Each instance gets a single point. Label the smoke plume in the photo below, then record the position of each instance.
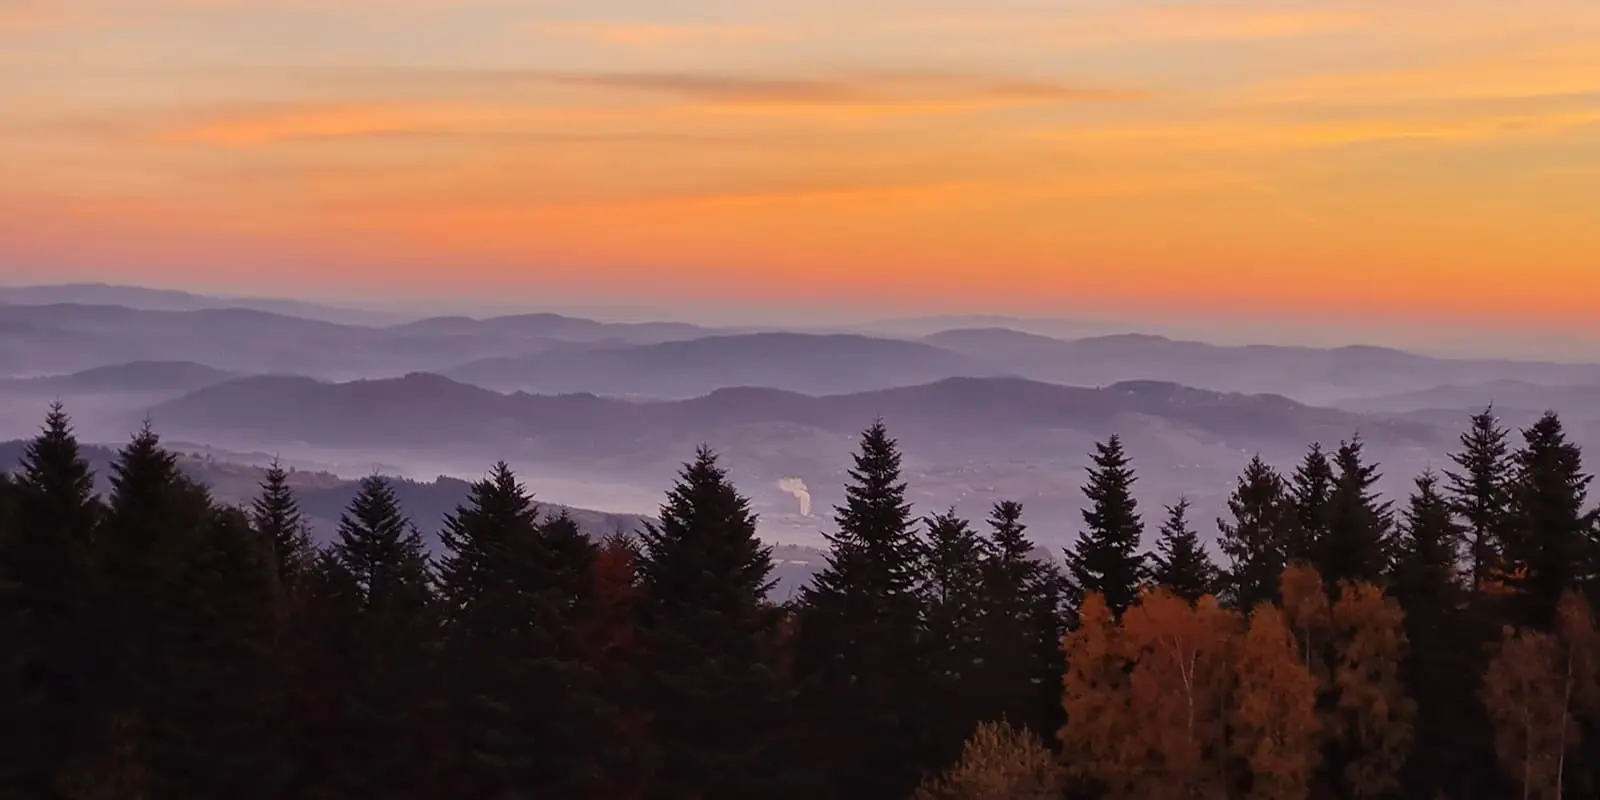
(797, 487)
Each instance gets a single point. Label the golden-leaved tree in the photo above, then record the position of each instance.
(1535, 687)
(1098, 740)
(1276, 732)
(1179, 692)
(1374, 716)
(999, 761)
(1310, 620)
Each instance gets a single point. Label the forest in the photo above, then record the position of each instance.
(1335, 644)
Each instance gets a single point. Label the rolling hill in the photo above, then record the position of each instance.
(810, 363)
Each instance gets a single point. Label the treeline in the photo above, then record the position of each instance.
(159, 645)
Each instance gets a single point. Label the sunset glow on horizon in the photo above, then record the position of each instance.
(1429, 160)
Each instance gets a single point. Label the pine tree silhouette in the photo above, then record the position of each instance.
(1180, 562)
(1106, 558)
(1256, 540)
(709, 639)
(858, 651)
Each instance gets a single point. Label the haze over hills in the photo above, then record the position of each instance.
(555, 353)
(816, 363)
(600, 414)
(968, 441)
(137, 297)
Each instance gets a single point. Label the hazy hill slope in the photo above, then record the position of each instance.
(137, 297)
(1575, 400)
(556, 326)
(811, 363)
(1304, 373)
(419, 410)
(136, 377)
(969, 441)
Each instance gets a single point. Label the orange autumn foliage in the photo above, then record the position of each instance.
(1534, 688)
(1274, 720)
(999, 761)
(1098, 741)
(1310, 619)
(1374, 715)
(1179, 694)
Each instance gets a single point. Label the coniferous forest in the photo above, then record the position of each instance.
(1334, 644)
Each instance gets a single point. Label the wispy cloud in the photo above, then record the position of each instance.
(678, 98)
(647, 34)
(24, 17)
(1146, 24)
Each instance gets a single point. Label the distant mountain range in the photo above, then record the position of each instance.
(813, 363)
(551, 353)
(137, 297)
(987, 407)
(137, 377)
(423, 410)
(969, 441)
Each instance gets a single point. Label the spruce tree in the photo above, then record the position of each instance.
(1479, 492)
(1548, 549)
(1428, 547)
(1356, 545)
(1180, 562)
(1106, 558)
(276, 515)
(229, 714)
(164, 630)
(388, 710)
(514, 594)
(953, 594)
(1022, 626)
(46, 591)
(1310, 492)
(858, 650)
(709, 639)
(1445, 658)
(1255, 541)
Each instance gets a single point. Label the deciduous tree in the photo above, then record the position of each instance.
(1276, 732)
(999, 761)
(1099, 742)
(1373, 735)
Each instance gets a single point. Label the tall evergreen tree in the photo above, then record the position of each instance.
(953, 594)
(276, 515)
(1479, 491)
(1180, 562)
(858, 650)
(515, 590)
(1356, 546)
(1428, 547)
(1310, 492)
(709, 641)
(1548, 549)
(388, 710)
(165, 626)
(1106, 558)
(46, 587)
(1445, 659)
(229, 711)
(1022, 627)
(1255, 540)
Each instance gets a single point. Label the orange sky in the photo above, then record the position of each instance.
(1426, 159)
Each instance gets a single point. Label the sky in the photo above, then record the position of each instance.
(1360, 165)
